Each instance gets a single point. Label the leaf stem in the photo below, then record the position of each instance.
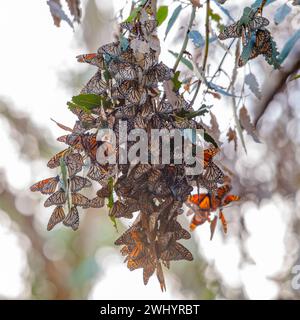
(206, 50)
(186, 39)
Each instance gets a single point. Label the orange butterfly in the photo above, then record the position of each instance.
(55, 160)
(208, 154)
(46, 186)
(209, 202)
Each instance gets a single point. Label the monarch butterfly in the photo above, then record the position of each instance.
(96, 202)
(85, 118)
(164, 240)
(93, 59)
(176, 252)
(179, 232)
(149, 60)
(79, 200)
(153, 178)
(120, 90)
(126, 71)
(262, 46)
(77, 183)
(95, 85)
(97, 172)
(104, 192)
(112, 49)
(57, 198)
(90, 145)
(55, 160)
(149, 268)
(46, 186)
(207, 203)
(199, 218)
(164, 107)
(125, 238)
(231, 31)
(74, 163)
(208, 154)
(146, 111)
(213, 173)
(127, 111)
(127, 56)
(140, 170)
(119, 210)
(148, 26)
(136, 95)
(57, 216)
(211, 202)
(72, 219)
(258, 23)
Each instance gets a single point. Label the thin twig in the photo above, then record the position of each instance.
(186, 39)
(205, 50)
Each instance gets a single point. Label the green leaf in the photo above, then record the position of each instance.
(111, 201)
(88, 101)
(183, 60)
(176, 82)
(111, 195)
(65, 183)
(72, 105)
(161, 14)
(173, 19)
(209, 138)
(289, 46)
(215, 17)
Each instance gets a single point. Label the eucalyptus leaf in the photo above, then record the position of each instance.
(289, 46)
(281, 13)
(173, 18)
(183, 60)
(196, 38)
(252, 83)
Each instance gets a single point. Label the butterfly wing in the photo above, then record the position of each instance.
(77, 183)
(57, 198)
(80, 200)
(57, 216)
(74, 163)
(46, 186)
(72, 219)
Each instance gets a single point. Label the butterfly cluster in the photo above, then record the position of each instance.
(256, 39)
(131, 83)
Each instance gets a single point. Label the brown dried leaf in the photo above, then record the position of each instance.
(247, 125)
(57, 13)
(74, 7)
(232, 136)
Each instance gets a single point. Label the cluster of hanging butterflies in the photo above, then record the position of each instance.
(129, 79)
(256, 39)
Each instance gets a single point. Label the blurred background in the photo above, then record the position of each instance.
(39, 74)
